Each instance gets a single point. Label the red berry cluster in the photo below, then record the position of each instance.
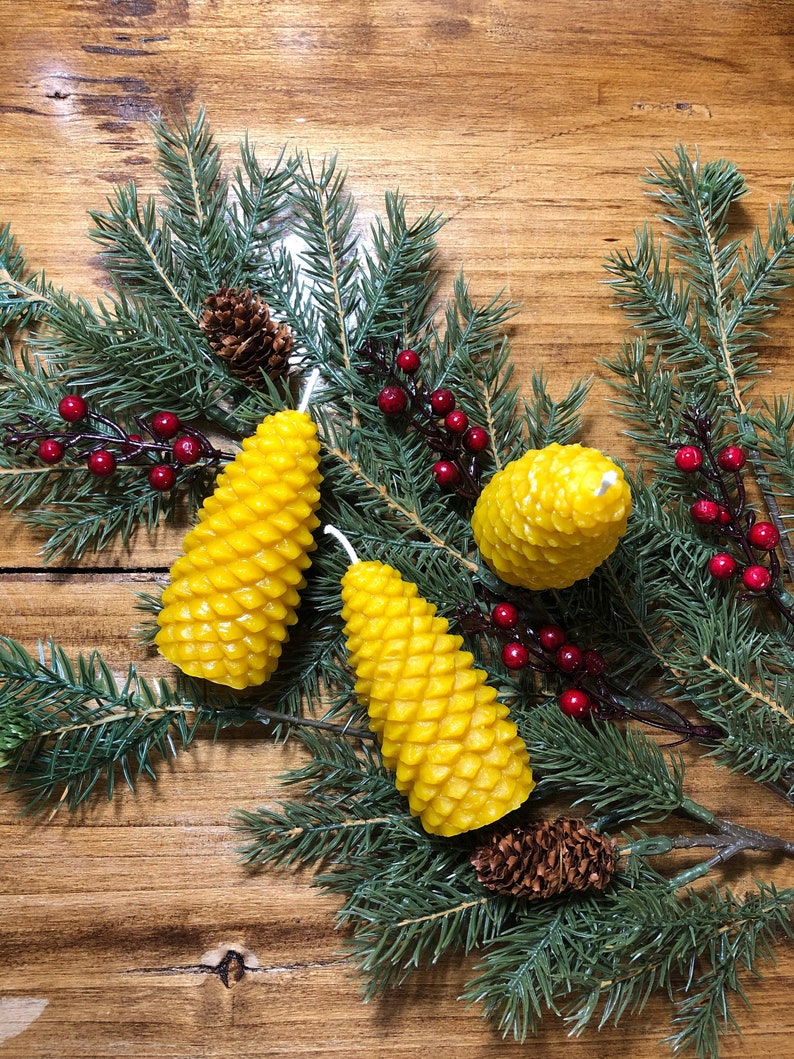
(721, 505)
(170, 445)
(435, 414)
(549, 650)
(592, 692)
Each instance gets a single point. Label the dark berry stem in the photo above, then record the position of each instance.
(85, 441)
(546, 650)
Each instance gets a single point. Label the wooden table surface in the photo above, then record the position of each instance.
(528, 124)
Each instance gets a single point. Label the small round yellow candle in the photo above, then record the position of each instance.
(552, 516)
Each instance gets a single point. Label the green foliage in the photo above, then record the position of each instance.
(65, 726)
(23, 295)
(354, 294)
(410, 899)
(699, 304)
(586, 761)
(605, 956)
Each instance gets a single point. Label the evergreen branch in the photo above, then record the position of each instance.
(257, 218)
(23, 296)
(309, 834)
(397, 276)
(349, 806)
(659, 302)
(146, 245)
(67, 725)
(21, 302)
(197, 198)
(471, 332)
(409, 516)
(139, 252)
(756, 694)
(613, 952)
(324, 215)
(496, 403)
(82, 726)
(766, 271)
(710, 226)
(79, 514)
(650, 399)
(754, 746)
(550, 421)
(572, 757)
(750, 931)
(78, 526)
(448, 913)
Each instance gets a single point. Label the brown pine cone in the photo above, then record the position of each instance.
(546, 858)
(242, 332)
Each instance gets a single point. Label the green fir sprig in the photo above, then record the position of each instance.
(677, 643)
(699, 304)
(68, 725)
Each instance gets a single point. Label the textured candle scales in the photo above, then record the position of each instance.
(552, 516)
(235, 588)
(455, 753)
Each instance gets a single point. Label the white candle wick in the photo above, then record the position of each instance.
(334, 532)
(607, 481)
(311, 382)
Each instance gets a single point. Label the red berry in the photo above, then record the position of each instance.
(594, 662)
(408, 361)
(187, 450)
(763, 535)
(442, 401)
(575, 703)
(162, 477)
(50, 450)
(476, 439)
(165, 425)
(101, 463)
(130, 446)
(392, 400)
(446, 473)
(568, 657)
(731, 458)
(689, 458)
(72, 408)
(722, 566)
(456, 422)
(724, 517)
(515, 655)
(551, 637)
(504, 616)
(756, 578)
(706, 512)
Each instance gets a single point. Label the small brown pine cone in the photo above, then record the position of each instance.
(546, 858)
(240, 329)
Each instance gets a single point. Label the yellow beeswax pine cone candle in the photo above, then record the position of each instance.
(456, 754)
(552, 516)
(233, 593)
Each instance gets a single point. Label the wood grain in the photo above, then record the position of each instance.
(528, 125)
